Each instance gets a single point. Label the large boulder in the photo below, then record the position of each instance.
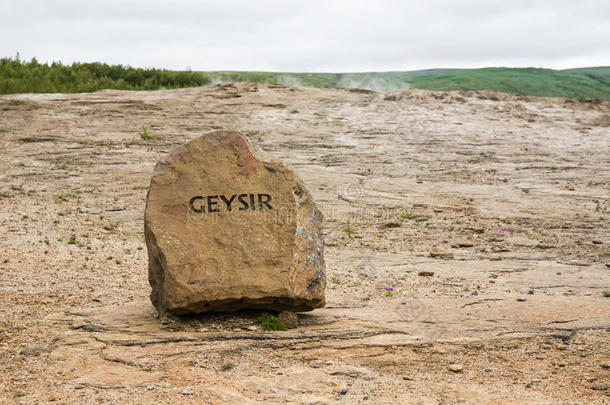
(227, 228)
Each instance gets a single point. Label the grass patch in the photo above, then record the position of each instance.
(406, 214)
(270, 322)
(61, 198)
(144, 133)
(227, 365)
(349, 229)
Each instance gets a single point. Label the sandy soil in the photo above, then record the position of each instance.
(509, 193)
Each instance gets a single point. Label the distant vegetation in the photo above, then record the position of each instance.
(17, 76)
(572, 83)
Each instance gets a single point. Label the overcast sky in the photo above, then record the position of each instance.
(316, 36)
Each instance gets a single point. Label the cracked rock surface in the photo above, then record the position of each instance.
(514, 190)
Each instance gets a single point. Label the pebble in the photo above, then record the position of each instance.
(560, 346)
(252, 327)
(600, 387)
(456, 368)
(605, 365)
(343, 391)
(521, 299)
(425, 273)
(150, 387)
(187, 391)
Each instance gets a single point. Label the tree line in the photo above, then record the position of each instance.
(17, 76)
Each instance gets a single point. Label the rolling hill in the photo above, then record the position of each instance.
(17, 76)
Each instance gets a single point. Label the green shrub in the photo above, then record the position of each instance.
(270, 322)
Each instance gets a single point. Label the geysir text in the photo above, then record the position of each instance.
(240, 202)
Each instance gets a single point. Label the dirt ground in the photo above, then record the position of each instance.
(486, 213)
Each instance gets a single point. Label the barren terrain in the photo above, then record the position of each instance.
(508, 193)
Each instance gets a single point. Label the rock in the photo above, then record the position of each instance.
(521, 299)
(252, 328)
(465, 244)
(456, 368)
(600, 387)
(425, 273)
(352, 372)
(290, 319)
(228, 229)
(187, 391)
(605, 365)
(440, 254)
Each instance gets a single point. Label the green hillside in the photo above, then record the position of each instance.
(573, 83)
(17, 76)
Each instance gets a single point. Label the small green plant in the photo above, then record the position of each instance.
(116, 198)
(335, 280)
(65, 212)
(270, 322)
(227, 365)
(61, 198)
(578, 242)
(406, 214)
(72, 240)
(117, 260)
(125, 233)
(24, 217)
(144, 133)
(598, 208)
(606, 293)
(466, 288)
(349, 229)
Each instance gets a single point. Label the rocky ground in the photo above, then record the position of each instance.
(485, 213)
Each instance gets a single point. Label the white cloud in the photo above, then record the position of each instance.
(310, 36)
